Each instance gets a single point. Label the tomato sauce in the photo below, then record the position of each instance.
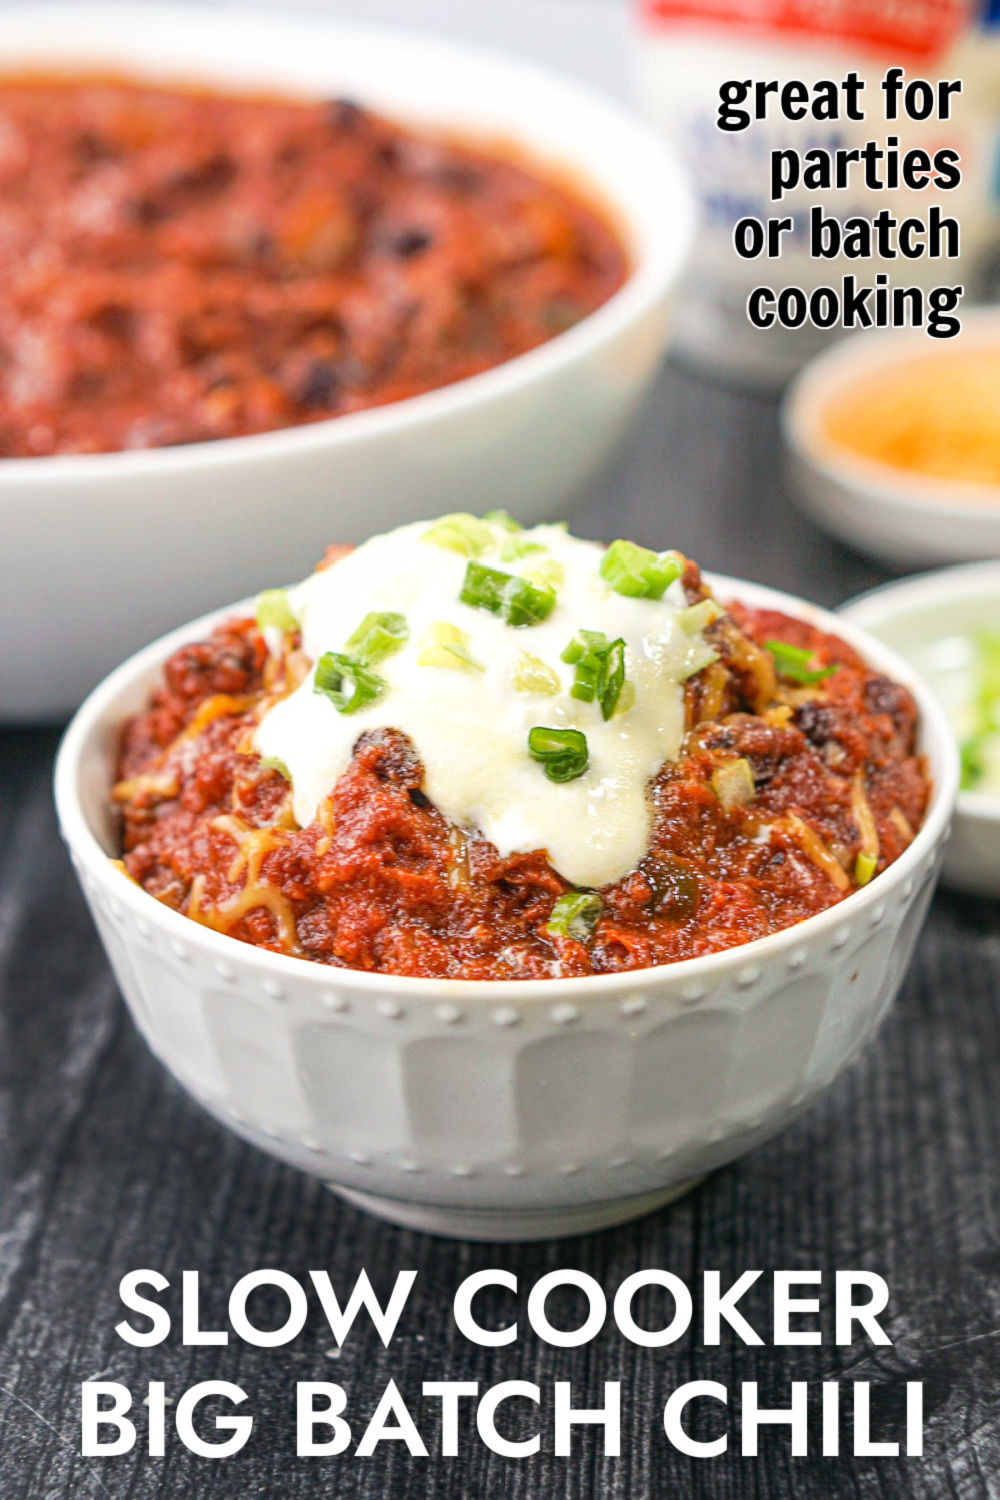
(181, 266)
(381, 882)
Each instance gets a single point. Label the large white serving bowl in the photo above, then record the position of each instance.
(910, 520)
(102, 552)
(925, 620)
(509, 1110)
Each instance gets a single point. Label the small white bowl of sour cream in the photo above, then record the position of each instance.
(941, 623)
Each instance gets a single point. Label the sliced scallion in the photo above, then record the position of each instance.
(347, 682)
(599, 669)
(973, 753)
(700, 655)
(626, 698)
(516, 547)
(516, 600)
(639, 573)
(981, 745)
(532, 675)
(575, 915)
(793, 662)
(275, 611)
(446, 645)
(698, 616)
(864, 868)
(546, 573)
(612, 678)
(462, 533)
(380, 634)
(562, 753)
(584, 653)
(272, 763)
(502, 519)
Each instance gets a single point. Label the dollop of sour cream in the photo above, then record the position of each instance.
(470, 727)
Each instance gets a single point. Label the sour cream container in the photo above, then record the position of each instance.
(685, 49)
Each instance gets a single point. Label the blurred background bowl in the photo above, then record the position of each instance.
(931, 622)
(906, 518)
(103, 552)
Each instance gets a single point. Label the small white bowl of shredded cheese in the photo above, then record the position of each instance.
(891, 442)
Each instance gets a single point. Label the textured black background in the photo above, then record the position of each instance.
(107, 1166)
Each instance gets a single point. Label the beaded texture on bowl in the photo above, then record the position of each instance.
(508, 1108)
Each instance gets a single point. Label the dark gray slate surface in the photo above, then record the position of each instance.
(106, 1166)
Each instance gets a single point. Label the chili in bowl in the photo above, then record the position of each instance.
(252, 261)
(506, 881)
(184, 266)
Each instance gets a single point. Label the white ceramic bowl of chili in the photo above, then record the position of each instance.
(102, 552)
(517, 1109)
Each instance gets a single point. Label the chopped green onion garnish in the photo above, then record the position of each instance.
(582, 644)
(981, 747)
(575, 915)
(501, 518)
(864, 868)
(516, 547)
(626, 698)
(612, 678)
(547, 573)
(698, 616)
(461, 533)
(347, 682)
(272, 763)
(531, 675)
(793, 662)
(599, 669)
(274, 610)
(562, 753)
(973, 752)
(379, 635)
(697, 662)
(583, 653)
(515, 599)
(639, 573)
(445, 645)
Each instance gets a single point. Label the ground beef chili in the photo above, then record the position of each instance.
(381, 882)
(181, 266)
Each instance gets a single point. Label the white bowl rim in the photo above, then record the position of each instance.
(823, 376)
(670, 232)
(870, 609)
(98, 708)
